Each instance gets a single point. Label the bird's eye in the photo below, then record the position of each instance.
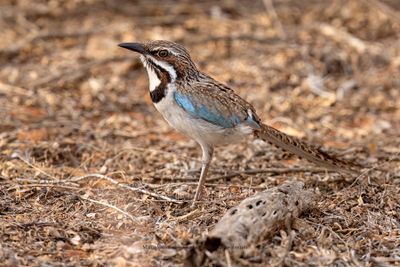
(163, 53)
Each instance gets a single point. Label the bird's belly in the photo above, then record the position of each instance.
(199, 129)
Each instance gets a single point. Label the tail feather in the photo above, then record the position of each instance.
(303, 150)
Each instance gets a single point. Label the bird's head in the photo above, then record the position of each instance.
(167, 60)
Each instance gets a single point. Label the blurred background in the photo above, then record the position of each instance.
(299, 63)
(72, 102)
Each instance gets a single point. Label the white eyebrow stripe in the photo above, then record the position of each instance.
(166, 67)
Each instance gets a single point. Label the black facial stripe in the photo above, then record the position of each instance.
(161, 90)
(160, 70)
(159, 93)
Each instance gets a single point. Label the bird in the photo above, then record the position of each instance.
(210, 112)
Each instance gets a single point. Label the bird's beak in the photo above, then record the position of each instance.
(137, 47)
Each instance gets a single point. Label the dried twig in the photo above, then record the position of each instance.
(9, 89)
(41, 185)
(84, 197)
(231, 174)
(103, 203)
(269, 6)
(377, 167)
(158, 151)
(267, 41)
(34, 36)
(269, 170)
(385, 9)
(189, 216)
(74, 73)
(125, 186)
(45, 181)
(147, 20)
(34, 167)
(343, 36)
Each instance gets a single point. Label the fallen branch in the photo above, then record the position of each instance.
(260, 215)
(253, 220)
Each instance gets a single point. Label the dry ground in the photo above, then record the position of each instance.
(72, 104)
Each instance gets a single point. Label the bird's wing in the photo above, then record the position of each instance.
(216, 104)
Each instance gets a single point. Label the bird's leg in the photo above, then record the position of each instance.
(206, 159)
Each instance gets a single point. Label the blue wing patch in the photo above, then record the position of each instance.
(206, 112)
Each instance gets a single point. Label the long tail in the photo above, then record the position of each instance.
(303, 150)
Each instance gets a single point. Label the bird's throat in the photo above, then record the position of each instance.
(158, 86)
(160, 75)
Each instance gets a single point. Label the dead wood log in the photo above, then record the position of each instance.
(253, 220)
(259, 216)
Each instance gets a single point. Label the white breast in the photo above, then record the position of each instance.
(198, 129)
